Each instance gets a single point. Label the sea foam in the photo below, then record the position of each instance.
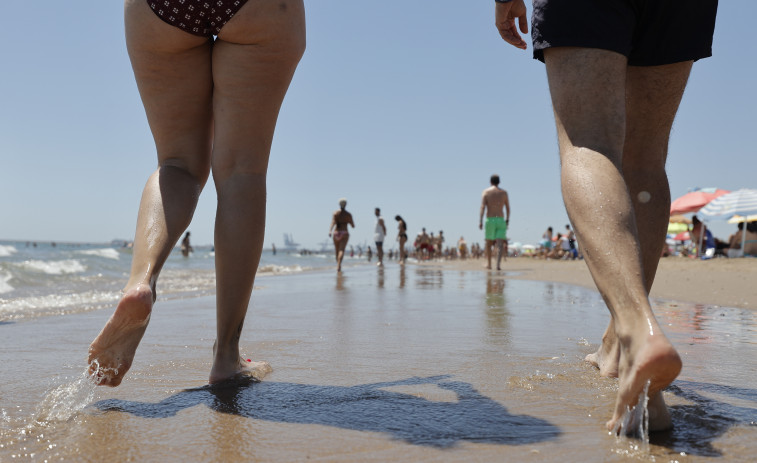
(5, 287)
(107, 253)
(55, 267)
(7, 250)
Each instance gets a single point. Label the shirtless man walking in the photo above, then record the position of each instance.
(493, 201)
(615, 93)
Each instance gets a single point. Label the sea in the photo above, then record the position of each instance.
(39, 279)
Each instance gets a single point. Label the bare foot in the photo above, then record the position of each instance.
(606, 358)
(223, 371)
(659, 416)
(647, 358)
(112, 351)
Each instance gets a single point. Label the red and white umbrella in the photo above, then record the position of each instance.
(695, 200)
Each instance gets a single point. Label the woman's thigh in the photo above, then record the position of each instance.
(254, 59)
(173, 73)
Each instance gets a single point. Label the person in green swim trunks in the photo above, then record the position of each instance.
(494, 202)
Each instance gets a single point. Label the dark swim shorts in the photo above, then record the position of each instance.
(199, 17)
(647, 32)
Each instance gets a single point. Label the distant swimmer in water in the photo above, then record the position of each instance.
(212, 93)
(340, 233)
(186, 248)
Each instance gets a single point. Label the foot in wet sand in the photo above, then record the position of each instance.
(112, 351)
(647, 358)
(225, 369)
(659, 416)
(606, 358)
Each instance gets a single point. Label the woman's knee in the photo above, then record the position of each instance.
(198, 169)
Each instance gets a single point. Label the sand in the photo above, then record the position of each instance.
(427, 363)
(722, 282)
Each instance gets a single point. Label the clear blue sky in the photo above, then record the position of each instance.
(405, 105)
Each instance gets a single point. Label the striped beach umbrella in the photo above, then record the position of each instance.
(740, 202)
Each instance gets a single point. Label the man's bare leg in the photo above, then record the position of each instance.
(488, 245)
(588, 95)
(254, 59)
(172, 69)
(652, 97)
(500, 254)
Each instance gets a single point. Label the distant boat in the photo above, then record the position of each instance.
(289, 244)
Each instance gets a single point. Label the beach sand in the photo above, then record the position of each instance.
(433, 362)
(724, 282)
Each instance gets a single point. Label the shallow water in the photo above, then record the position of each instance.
(419, 364)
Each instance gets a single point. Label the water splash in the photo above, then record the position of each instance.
(66, 400)
(635, 422)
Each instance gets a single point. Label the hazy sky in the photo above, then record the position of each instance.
(405, 105)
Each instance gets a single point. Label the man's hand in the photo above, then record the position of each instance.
(504, 16)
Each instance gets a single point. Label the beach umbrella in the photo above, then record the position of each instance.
(683, 236)
(677, 228)
(679, 219)
(695, 200)
(740, 218)
(740, 202)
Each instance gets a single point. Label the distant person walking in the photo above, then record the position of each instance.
(379, 233)
(401, 237)
(340, 234)
(186, 247)
(494, 201)
(617, 71)
(212, 104)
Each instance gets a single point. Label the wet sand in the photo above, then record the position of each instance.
(429, 363)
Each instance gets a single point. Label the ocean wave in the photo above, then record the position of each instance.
(279, 269)
(55, 267)
(56, 303)
(7, 250)
(108, 253)
(5, 287)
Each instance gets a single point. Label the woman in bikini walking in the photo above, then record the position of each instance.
(340, 234)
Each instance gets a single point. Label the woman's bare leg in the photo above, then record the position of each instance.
(254, 59)
(340, 246)
(172, 69)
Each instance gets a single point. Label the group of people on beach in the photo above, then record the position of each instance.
(558, 246)
(212, 77)
(341, 220)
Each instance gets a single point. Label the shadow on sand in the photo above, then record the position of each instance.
(415, 420)
(700, 424)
